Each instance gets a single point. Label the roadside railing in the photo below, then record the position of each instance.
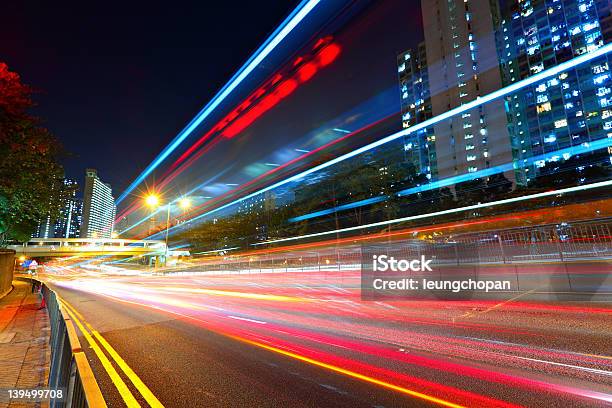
(579, 241)
(563, 246)
(70, 371)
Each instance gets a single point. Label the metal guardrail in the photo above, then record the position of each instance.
(556, 243)
(69, 369)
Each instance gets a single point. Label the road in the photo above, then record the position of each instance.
(307, 340)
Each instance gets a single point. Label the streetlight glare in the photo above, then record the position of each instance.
(152, 200)
(184, 203)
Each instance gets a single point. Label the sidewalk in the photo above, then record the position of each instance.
(24, 342)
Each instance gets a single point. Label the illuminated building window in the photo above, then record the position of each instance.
(598, 69)
(545, 107)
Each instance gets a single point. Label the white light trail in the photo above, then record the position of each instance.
(445, 212)
(550, 72)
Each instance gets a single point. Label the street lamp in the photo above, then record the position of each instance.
(184, 203)
(153, 201)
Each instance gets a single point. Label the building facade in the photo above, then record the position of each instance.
(98, 207)
(419, 147)
(463, 65)
(475, 47)
(68, 223)
(557, 120)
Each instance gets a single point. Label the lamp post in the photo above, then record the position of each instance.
(153, 201)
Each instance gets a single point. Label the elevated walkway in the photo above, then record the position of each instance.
(60, 247)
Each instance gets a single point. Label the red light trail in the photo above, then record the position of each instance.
(430, 350)
(253, 107)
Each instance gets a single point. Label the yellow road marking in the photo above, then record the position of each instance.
(140, 386)
(247, 295)
(597, 356)
(316, 362)
(350, 373)
(123, 389)
(470, 314)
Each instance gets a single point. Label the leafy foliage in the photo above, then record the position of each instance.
(29, 169)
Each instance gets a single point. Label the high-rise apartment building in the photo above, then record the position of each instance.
(420, 146)
(550, 122)
(455, 64)
(98, 207)
(475, 47)
(463, 65)
(68, 223)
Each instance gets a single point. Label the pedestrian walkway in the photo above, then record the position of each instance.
(24, 342)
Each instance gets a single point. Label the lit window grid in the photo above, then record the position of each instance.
(576, 110)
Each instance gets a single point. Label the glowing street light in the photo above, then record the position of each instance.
(185, 203)
(153, 201)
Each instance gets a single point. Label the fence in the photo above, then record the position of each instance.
(556, 242)
(558, 258)
(581, 241)
(70, 370)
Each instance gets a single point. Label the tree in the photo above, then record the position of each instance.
(29, 169)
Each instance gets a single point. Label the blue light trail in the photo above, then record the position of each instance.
(300, 12)
(189, 193)
(517, 86)
(355, 204)
(586, 187)
(574, 150)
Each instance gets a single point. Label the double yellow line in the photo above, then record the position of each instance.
(91, 335)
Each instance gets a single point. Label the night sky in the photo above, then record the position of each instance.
(118, 80)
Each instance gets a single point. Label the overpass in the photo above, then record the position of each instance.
(85, 247)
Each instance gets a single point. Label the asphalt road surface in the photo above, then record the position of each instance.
(296, 340)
